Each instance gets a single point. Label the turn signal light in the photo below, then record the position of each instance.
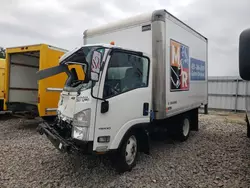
(112, 43)
(103, 139)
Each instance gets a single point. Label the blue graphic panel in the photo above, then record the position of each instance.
(198, 69)
(184, 56)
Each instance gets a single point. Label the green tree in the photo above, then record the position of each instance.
(2, 52)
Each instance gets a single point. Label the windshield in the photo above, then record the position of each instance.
(78, 64)
(79, 55)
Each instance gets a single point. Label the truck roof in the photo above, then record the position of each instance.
(138, 19)
(38, 46)
(99, 44)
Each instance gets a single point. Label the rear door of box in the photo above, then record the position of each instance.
(2, 83)
(49, 89)
(2, 72)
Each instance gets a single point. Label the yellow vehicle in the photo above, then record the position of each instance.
(24, 93)
(2, 72)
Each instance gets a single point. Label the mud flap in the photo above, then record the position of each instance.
(1, 104)
(194, 114)
(143, 137)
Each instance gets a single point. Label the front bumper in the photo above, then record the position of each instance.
(62, 144)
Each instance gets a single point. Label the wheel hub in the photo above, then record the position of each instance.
(186, 127)
(131, 149)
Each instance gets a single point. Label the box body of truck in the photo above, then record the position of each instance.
(23, 93)
(153, 78)
(178, 53)
(2, 83)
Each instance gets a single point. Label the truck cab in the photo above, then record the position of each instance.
(107, 110)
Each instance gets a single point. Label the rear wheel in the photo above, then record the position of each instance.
(183, 129)
(125, 157)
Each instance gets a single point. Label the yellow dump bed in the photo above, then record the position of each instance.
(24, 92)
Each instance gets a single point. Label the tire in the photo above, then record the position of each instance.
(248, 130)
(183, 129)
(248, 127)
(125, 157)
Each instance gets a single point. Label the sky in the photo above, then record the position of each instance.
(61, 23)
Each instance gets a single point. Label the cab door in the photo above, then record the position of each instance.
(125, 85)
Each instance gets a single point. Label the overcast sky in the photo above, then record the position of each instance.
(62, 22)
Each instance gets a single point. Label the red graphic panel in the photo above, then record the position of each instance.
(185, 79)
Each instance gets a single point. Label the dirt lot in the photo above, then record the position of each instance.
(216, 156)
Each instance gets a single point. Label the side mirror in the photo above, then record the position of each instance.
(95, 65)
(244, 55)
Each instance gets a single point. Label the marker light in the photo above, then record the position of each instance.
(103, 139)
(112, 43)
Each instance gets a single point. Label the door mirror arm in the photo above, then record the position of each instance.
(91, 92)
(104, 104)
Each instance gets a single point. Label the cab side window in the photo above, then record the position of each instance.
(125, 72)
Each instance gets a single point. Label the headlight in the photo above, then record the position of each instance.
(80, 133)
(80, 125)
(82, 119)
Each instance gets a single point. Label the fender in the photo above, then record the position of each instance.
(141, 122)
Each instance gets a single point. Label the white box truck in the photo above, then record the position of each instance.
(151, 77)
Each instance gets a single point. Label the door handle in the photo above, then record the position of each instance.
(145, 108)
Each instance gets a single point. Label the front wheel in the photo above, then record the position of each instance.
(125, 158)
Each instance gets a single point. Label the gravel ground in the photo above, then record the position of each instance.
(216, 156)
